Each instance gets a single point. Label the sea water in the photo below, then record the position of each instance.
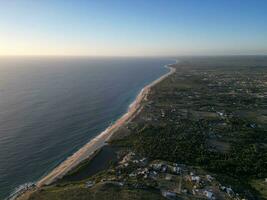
(51, 106)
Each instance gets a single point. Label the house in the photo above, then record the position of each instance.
(141, 171)
(253, 125)
(195, 191)
(229, 191)
(133, 174)
(116, 183)
(89, 184)
(220, 114)
(144, 161)
(209, 178)
(164, 168)
(209, 194)
(168, 194)
(153, 175)
(162, 113)
(127, 158)
(156, 166)
(135, 161)
(184, 191)
(176, 170)
(195, 179)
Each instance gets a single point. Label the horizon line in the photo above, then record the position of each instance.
(181, 55)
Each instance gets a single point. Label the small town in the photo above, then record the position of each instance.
(172, 180)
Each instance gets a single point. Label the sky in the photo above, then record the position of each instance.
(133, 27)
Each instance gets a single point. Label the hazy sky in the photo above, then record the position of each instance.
(133, 27)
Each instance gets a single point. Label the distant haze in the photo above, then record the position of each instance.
(133, 28)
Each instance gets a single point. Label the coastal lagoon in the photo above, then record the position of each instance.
(52, 106)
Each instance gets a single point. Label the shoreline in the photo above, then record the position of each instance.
(101, 140)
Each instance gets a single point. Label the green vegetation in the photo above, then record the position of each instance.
(206, 120)
(209, 118)
(98, 192)
(261, 186)
(188, 145)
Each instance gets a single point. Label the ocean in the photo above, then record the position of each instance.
(51, 106)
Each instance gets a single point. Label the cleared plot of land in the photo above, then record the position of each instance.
(98, 192)
(261, 186)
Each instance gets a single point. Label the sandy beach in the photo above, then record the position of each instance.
(87, 150)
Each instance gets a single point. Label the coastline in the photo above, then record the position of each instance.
(99, 141)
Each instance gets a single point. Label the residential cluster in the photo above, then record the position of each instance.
(171, 180)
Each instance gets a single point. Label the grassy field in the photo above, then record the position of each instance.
(261, 186)
(98, 192)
